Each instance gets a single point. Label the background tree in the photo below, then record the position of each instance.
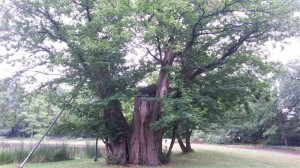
(267, 120)
(289, 103)
(230, 87)
(23, 115)
(11, 97)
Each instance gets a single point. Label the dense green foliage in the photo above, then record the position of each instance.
(272, 121)
(23, 115)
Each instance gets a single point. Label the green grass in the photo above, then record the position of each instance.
(291, 148)
(206, 156)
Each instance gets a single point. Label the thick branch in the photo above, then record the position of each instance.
(152, 55)
(88, 11)
(159, 48)
(219, 61)
(64, 39)
(195, 34)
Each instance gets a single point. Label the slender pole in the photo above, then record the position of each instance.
(96, 148)
(49, 128)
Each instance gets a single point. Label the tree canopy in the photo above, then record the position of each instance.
(86, 42)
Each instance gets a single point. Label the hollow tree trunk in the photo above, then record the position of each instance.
(146, 144)
(144, 141)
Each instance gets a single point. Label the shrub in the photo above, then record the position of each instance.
(6, 157)
(13, 156)
(112, 160)
(20, 154)
(215, 139)
(61, 154)
(42, 154)
(164, 157)
(198, 136)
(90, 151)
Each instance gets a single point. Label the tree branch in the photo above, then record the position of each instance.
(218, 62)
(64, 39)
(88, 11)
(152, 55)
(159, 48)
(194, 33)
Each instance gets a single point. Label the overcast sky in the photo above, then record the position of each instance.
(289, 52)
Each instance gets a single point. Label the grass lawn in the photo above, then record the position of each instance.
(206, 156)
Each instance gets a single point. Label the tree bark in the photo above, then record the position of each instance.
(141, 144)
(119, 151)
(188, 135)
(116, 146)
(181, 144)
(185, 148)
(145, 143)
(286, 143)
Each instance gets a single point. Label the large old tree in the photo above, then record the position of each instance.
(86, 42)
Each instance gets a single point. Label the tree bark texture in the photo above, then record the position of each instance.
(116, 147)
(146, 144)
(144, 141)
(188, 146)
(141, 144)
(185, 148)
(181, 144)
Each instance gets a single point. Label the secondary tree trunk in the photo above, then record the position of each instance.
(188, 135)
(116, 145)
(185, 148)
(286, 143)
(174, 133)
(181, 144)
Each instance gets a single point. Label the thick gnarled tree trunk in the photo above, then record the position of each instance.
(141, 144)
(146, 144)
